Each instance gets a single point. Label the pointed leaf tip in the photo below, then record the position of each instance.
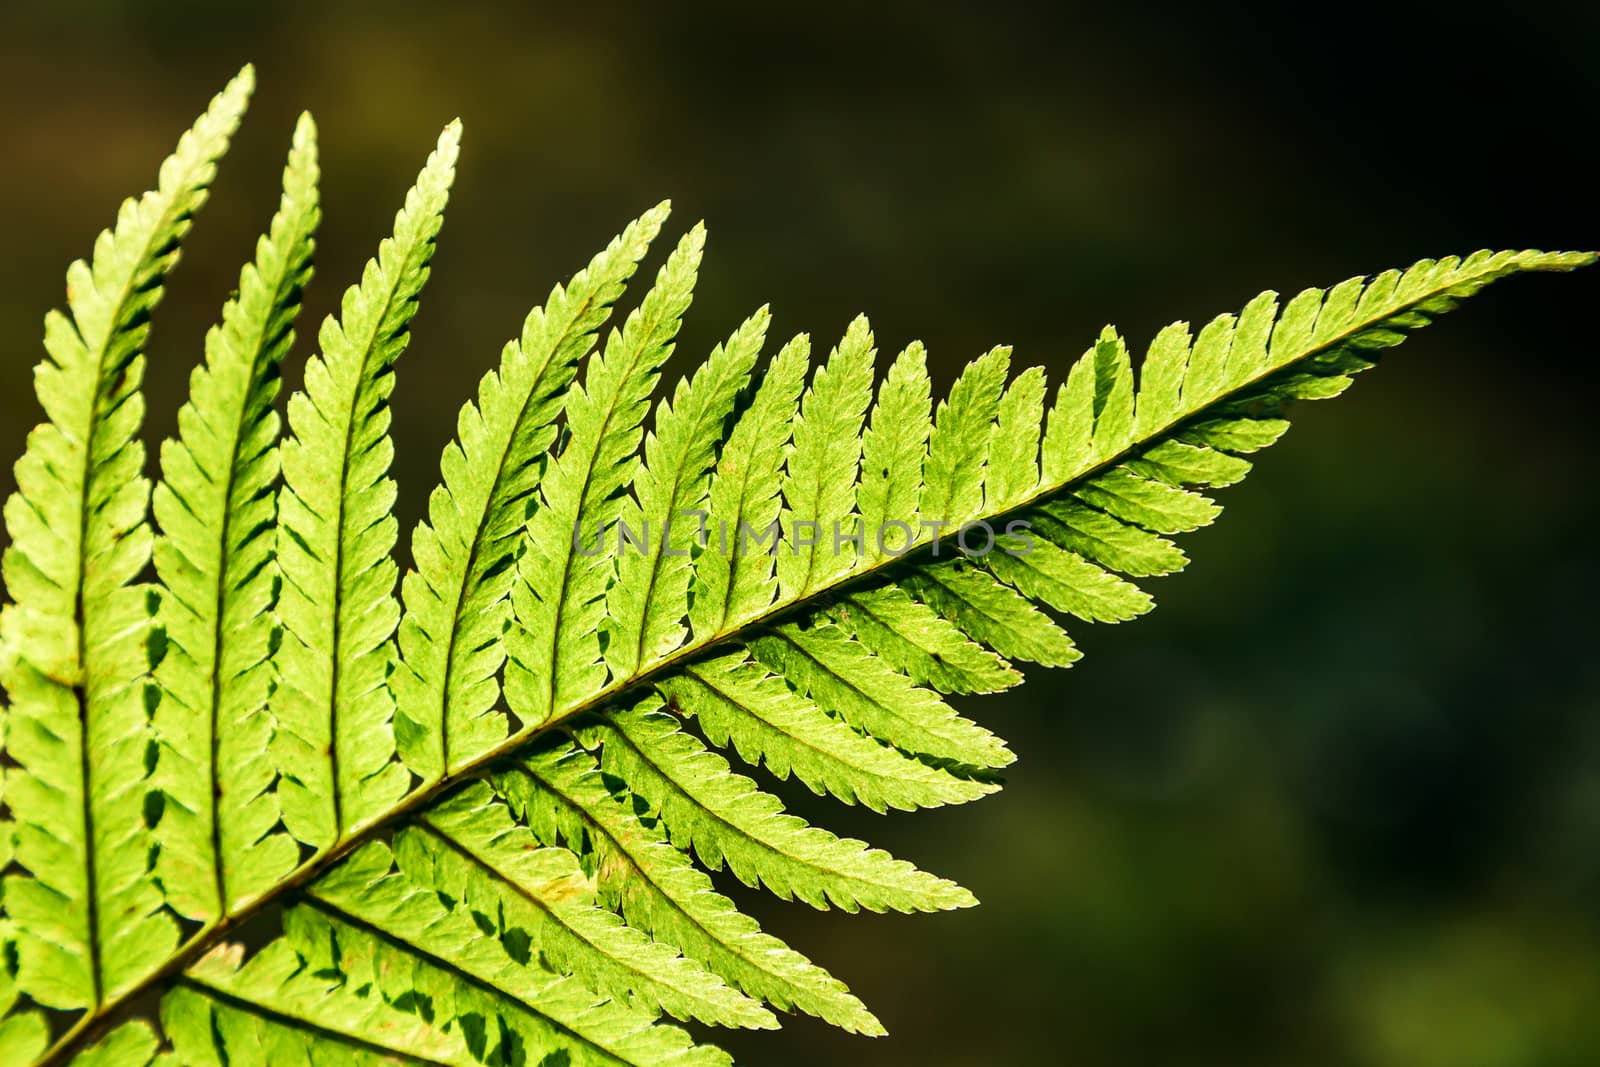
(235, 96)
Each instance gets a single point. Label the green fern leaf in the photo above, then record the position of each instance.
(562, 796)
(475, 870)
(334, 711)
(920, 643)
(457, 600)
(87, 917)
(819, 477)
(894, 450)
(728, 822)
(214, 506)
(650, 595)
(958, 452)
(470, 848)
(735, 582)
(555, 650)
(739, 703)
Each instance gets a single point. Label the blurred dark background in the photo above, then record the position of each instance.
(1338, 801)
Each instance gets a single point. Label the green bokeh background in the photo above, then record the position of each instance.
(1338, 800)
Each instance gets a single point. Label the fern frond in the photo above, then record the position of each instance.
(457, 600)
(87, 917)
(215, 509)
(832, 670)
(461, 882)
(333, 708)
(850, 715)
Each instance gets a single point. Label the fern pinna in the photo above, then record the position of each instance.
(486, 813)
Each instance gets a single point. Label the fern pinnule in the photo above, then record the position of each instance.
(865, 691)
(471, 849)
(958, 449)
(87, 917)
(457, 600)
(990, 613)
(1067, 582)
(22, 1032)
(819, 477)
(894, 455)
(728, 822)
(740, 704)
(559, 600)
(334, 709)
(735, 582)
(649, 596)
(133, 1044)
(215, 508)
(920, 643)
(561, 794)
(1014, 447)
